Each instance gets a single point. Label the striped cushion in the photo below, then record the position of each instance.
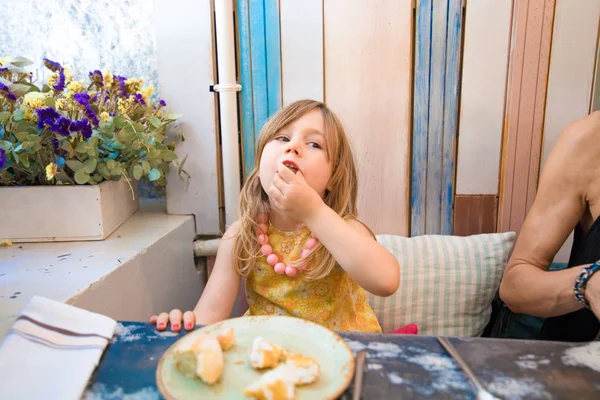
(447, 282)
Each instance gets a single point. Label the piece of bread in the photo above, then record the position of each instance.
(276, 384)
(264, 354)
(201, 358)
(306, 369)
(226, 339)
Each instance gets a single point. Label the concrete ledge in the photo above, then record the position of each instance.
(144, 267)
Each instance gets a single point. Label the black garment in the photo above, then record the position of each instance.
(582, 325)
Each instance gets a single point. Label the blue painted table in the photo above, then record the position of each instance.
(398, 366)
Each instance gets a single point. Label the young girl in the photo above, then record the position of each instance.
(298, 242)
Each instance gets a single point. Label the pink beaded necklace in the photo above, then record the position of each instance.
(272, 259)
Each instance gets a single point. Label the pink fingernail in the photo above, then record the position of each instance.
(188, 326)
(175, 327)
(161, 325)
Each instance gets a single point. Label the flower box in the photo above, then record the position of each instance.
(65, 212)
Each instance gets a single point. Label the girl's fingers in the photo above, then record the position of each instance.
(175, 318)
(279, 183)
(189, 320)
(162, 321)
(153, 319)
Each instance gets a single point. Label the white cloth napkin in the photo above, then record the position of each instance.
(52, 350)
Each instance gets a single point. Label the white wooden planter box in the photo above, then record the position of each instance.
(65, 213)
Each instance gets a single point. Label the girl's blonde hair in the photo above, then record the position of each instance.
(340, 196)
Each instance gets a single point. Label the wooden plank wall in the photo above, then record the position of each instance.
(368, 67)
(485, 63)
(524, 118)
(436, 95)
(571, 76)
(302, 50)
(185, 49)
(260, 69)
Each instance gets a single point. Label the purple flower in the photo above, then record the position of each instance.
(139, 99)
(2, 158)
(84, 100)
(121, 80)
(3, 70)
(96, 77)
(55, 144)
(52, 66)
(61, 126)
(83, 126)
(46, 116)
(60, 84)
(162, 103)
(4, 90)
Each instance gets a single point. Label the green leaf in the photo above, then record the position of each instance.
(45, 88)
(137, 172)
(32, 87)
(111, 164)
(159, 138)
(155, 121)
(19, 89)
(66, 145)
(120, 121)
(81, 148)
(103, 169)
(118, 146)
(50, 102)
(154, 175)
(90, 165)
(98, 178)
(75, 165)
(5, 144)
(24, 159)
(22, 136)
(18, 115)
(21, 62)
(4, 116)
(172, 116)
(27, 145)
(153, 153)
(169, 156)
(82, 177)
(92, 151)
(146, 166)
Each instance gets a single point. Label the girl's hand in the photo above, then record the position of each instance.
(174, 317)
(292, 195)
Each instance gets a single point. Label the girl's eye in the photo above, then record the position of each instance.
(282, 139)
(315, 145)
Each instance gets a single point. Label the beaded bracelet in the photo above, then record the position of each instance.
(581, 283)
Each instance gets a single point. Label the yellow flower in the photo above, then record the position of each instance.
(5, 60)
(52, 79)
(75, 87)
(124, 105)
(68, 74)
(51, 171)
(133, 85)
(104, 116)
(60, 104)
(108, 79)
(147, 92)
(31, 101)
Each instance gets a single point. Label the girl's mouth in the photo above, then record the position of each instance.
(292, 166)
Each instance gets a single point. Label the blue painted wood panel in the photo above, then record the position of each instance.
(436, 93)
(260, 69)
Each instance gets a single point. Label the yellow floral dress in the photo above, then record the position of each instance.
(335, 301)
